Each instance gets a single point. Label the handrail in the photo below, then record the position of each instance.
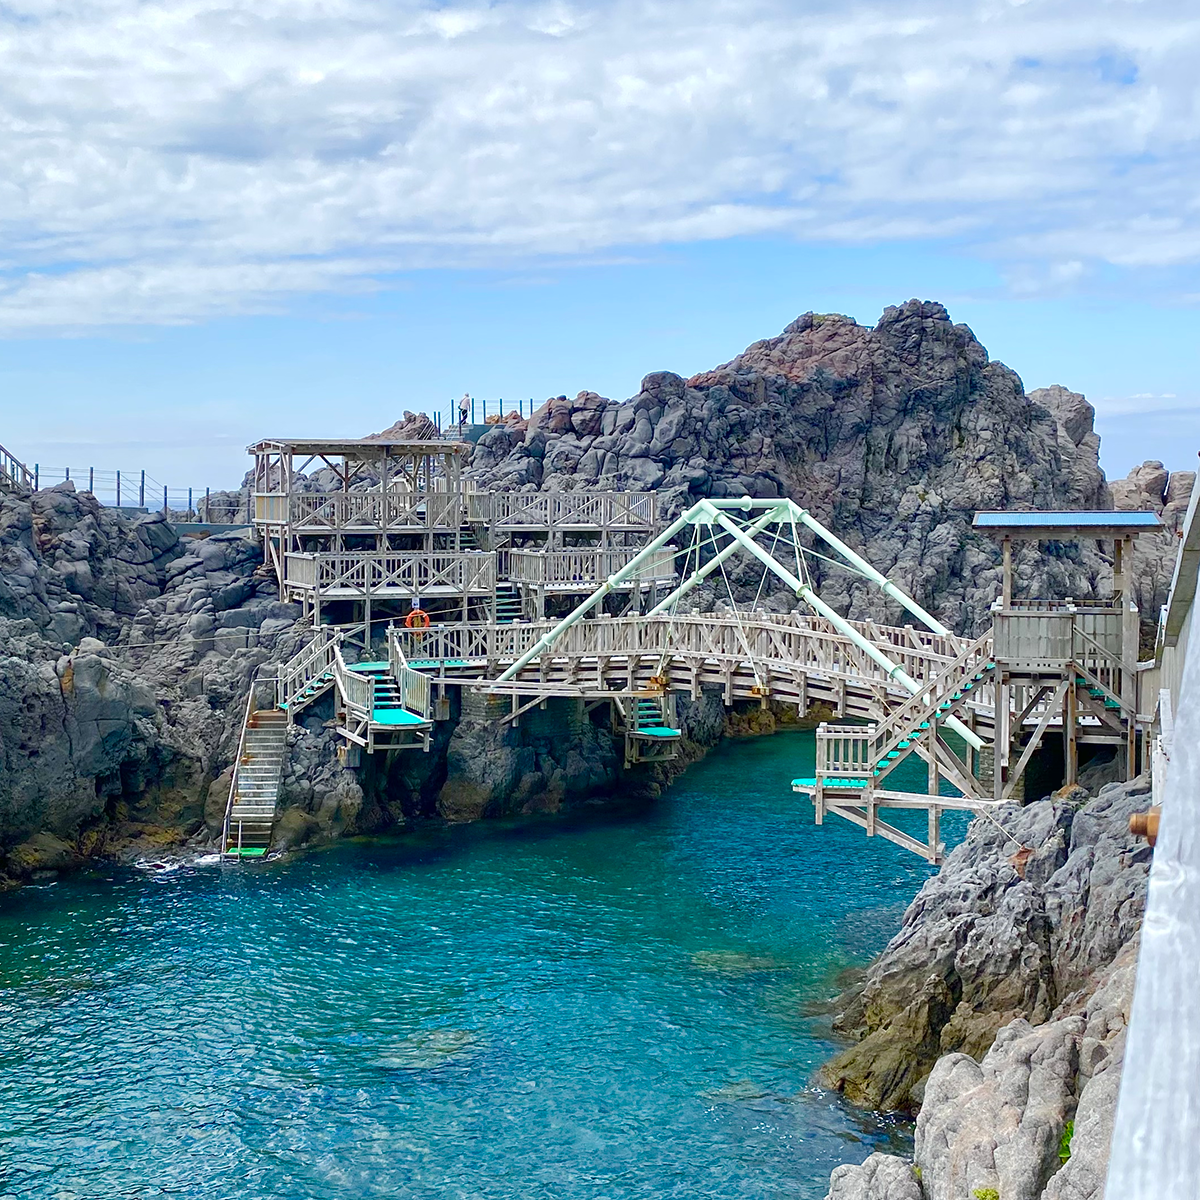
(582, 564)
(237, 766)
(14, 471)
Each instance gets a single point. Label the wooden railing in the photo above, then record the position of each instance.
(411, 574)
(319, 511)
(302, 668)
(440, 509)
(784, 645)
(564, 510)
(357, 691)
(585, 567)
(844, 753)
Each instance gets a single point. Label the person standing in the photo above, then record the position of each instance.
(464, 408)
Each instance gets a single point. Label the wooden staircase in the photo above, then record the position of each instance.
(14, 474)
(508, 604)
(648, 722)
(254, 790)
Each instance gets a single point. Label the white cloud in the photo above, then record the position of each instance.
(169, 160)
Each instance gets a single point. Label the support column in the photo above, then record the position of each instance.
(1070, 721)
(1003, 733)
(1006, 592)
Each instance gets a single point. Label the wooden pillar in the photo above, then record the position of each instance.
(1119, 565)
(1006, 592)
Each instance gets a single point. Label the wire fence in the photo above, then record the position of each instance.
(138, 489)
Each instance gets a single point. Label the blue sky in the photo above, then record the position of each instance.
(220, 223)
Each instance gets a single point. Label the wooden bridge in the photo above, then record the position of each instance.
(404, 526)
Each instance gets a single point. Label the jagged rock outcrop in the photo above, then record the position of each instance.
(1027, 961)
(881, 1177)
(894, 436)
(995, 936)
(1151, 487)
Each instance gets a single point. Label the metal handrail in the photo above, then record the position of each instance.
(14, 471)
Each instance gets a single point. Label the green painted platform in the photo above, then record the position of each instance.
(395, 716)
(247, 851)
(368, 668)
(431, 664)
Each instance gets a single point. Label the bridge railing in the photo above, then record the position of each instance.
(781, 646)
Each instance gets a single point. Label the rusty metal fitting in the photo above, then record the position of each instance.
(1145, 824)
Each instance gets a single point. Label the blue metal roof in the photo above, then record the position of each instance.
(1072, 520)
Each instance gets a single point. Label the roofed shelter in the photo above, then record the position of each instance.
(1073, 661)
(1103, 526)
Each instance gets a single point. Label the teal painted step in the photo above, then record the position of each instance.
(369, 668)
(831, 783)
(659, 731)
(395, 716)
(432, 664)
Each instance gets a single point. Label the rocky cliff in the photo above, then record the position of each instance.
(126, 652)
(1000, 1007)
(894, 436)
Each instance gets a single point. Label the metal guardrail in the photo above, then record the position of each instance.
(14, 472)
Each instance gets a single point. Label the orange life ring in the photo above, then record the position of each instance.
(418, 618)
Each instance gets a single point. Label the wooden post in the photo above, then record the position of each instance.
(1006, 593)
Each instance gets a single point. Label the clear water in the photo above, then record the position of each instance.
(604, 1007)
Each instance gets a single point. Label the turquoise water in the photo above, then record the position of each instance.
(606, 1007)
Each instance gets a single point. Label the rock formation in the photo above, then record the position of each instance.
(127, 652)
(1000, 1007)
(894, 436)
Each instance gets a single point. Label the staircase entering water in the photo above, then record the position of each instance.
(380, 706)
(257, 773)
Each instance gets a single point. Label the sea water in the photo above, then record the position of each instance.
(612, 1005)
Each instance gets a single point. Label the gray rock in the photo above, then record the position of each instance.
(998, 1124)
(881, 1177)
(991, 938)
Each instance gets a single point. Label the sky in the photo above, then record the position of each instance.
(220, 222)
